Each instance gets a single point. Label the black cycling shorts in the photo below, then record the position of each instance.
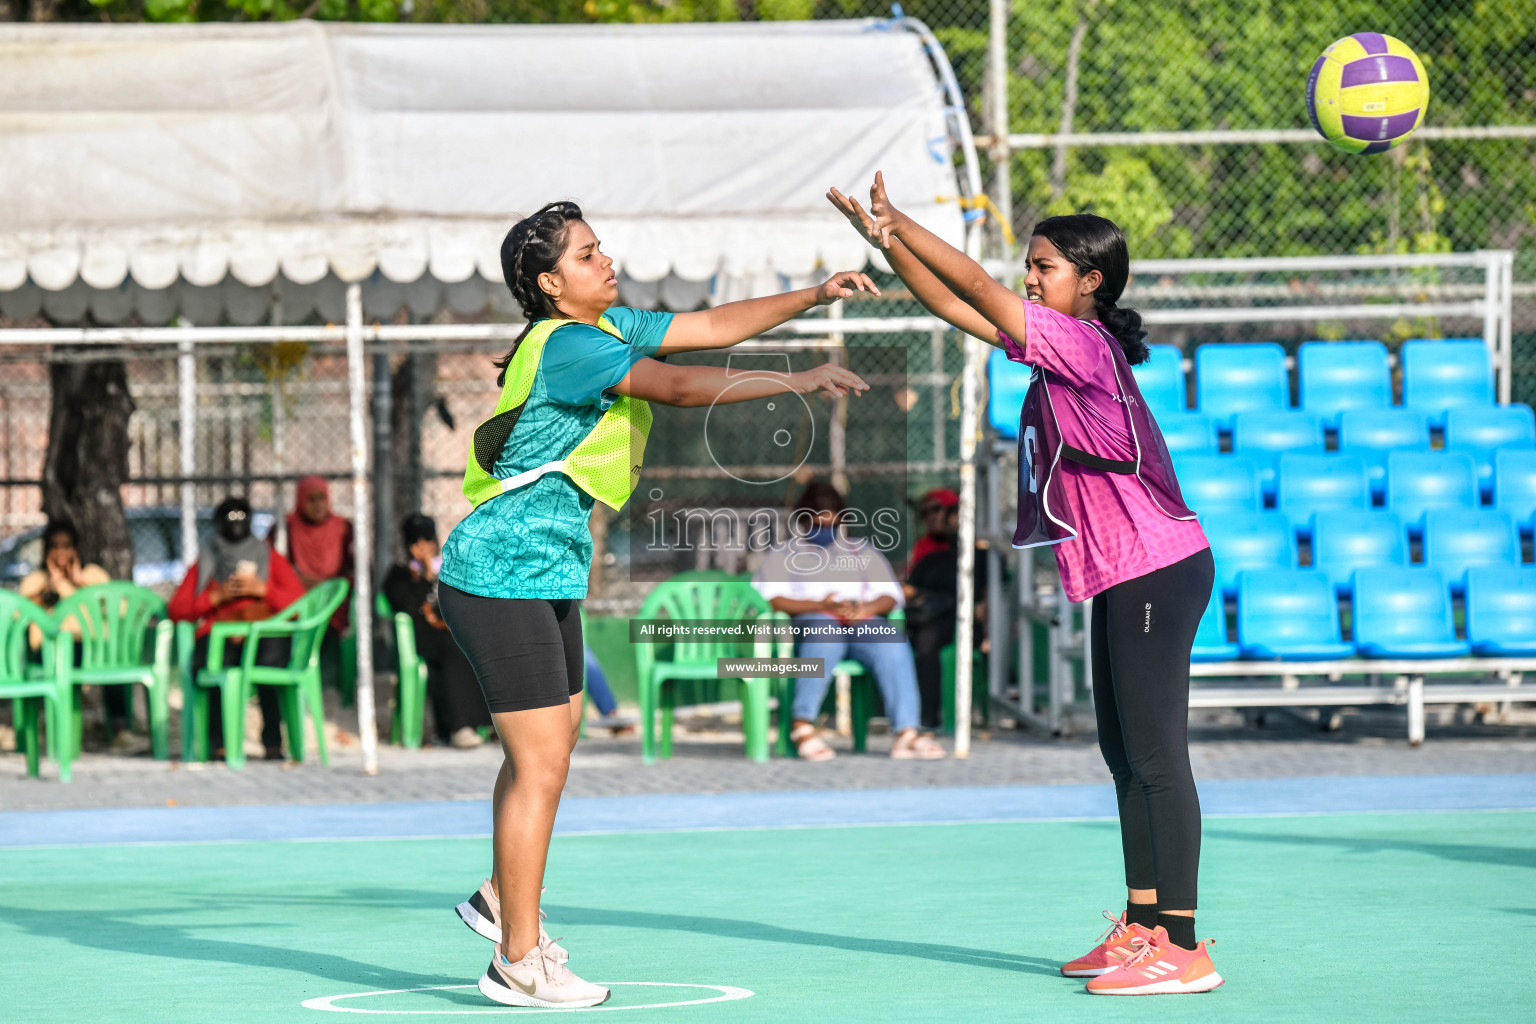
(526, 652)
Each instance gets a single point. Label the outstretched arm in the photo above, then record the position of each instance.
(693, 386)
(929, 290)
(735, 322)
(955, 270)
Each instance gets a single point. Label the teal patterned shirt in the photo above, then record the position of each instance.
(534, 542)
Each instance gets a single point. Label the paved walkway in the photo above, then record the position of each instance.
(711, 762)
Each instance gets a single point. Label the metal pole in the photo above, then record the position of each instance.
(837, 436)
(1002, 152)
(384, 467)
(363, 527)
(1491, 309)
(186, 384)
(1507, 329)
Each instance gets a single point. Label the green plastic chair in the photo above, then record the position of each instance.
(864, 700)
(698, 660)
(407, 722)
(303, 622)
(28, 685)
(980, 699)
(115, 620)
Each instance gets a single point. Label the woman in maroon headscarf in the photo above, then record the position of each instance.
(320, 548)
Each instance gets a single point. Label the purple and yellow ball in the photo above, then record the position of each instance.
(1367, 93)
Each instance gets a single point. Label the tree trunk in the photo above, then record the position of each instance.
(413, 389)
(87, 461)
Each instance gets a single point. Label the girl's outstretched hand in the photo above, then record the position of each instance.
(828, 377)
(842, 284)
(849, 207)
(887, 219)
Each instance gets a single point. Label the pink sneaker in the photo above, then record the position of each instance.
(1115, 947)
(1160, 968)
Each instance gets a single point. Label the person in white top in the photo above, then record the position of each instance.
(825, 576)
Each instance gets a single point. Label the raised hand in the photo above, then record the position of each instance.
(849, 207)
(887, 220)
(828, 377)
(842, 284)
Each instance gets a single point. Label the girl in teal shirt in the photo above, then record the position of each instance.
(514, 569)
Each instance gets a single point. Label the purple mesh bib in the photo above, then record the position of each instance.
(1052, 428)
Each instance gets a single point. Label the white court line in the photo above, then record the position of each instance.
(727, 994)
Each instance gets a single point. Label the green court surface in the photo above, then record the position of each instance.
(1358, 917)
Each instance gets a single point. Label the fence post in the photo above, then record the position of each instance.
(362, 517)
(997, 79)
(186, 386)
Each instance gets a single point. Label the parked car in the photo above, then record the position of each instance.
(156, 531)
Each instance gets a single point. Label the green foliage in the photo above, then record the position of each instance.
(1175, 64)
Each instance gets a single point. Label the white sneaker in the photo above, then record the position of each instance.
(538, 979)
(482, 912)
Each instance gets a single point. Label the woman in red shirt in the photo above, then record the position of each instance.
(238, 578)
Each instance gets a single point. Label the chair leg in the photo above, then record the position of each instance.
(664, 742)
(234, 695)
(786, 694)
(293, 718)
(413, 697)
(754, 718)
(316, 707)
(24, 714)
(858, 709)
(194, 723)
(72, 740)
(647, 697)
(64, 722)
(158, 699)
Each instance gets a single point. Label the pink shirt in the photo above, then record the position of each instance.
(1121, 533)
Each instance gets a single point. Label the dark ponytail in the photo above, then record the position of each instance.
(534, 246)
(1090, 242)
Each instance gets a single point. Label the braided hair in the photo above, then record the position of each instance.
(534, 246)
(1090, 242)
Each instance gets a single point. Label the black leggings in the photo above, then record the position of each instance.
(1142, 633)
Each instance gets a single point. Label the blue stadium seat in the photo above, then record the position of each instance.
(1211, 643)
(1161, 379)
(1234, 378)
(1188, 432)
(1343, 542)
(1248, 540)
(1404, 613)
(1420, 481)
(1337, 375)
(1371, 433)
(1442, 375)
(1481, 430)
(1264, 435)
(1218, 483)
(1007, 381)
(1290, 614)
(1312, 483)
(1514, 485)
(1501, 611)
(1456, 540)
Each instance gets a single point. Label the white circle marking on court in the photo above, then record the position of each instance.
(727, 994)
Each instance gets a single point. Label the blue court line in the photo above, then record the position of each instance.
(808, 809)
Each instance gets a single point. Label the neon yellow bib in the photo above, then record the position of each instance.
(605, 464)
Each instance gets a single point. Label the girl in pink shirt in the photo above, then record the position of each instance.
(1096, 483)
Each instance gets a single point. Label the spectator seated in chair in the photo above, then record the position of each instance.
(238, 578)
(933, 570)
(320, 548)
(458, 706)
(61, 575)
(822, 575)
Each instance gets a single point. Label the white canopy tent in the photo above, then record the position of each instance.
(134, 158)
(229, 171)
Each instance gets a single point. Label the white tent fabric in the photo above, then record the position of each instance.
(314, 151)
